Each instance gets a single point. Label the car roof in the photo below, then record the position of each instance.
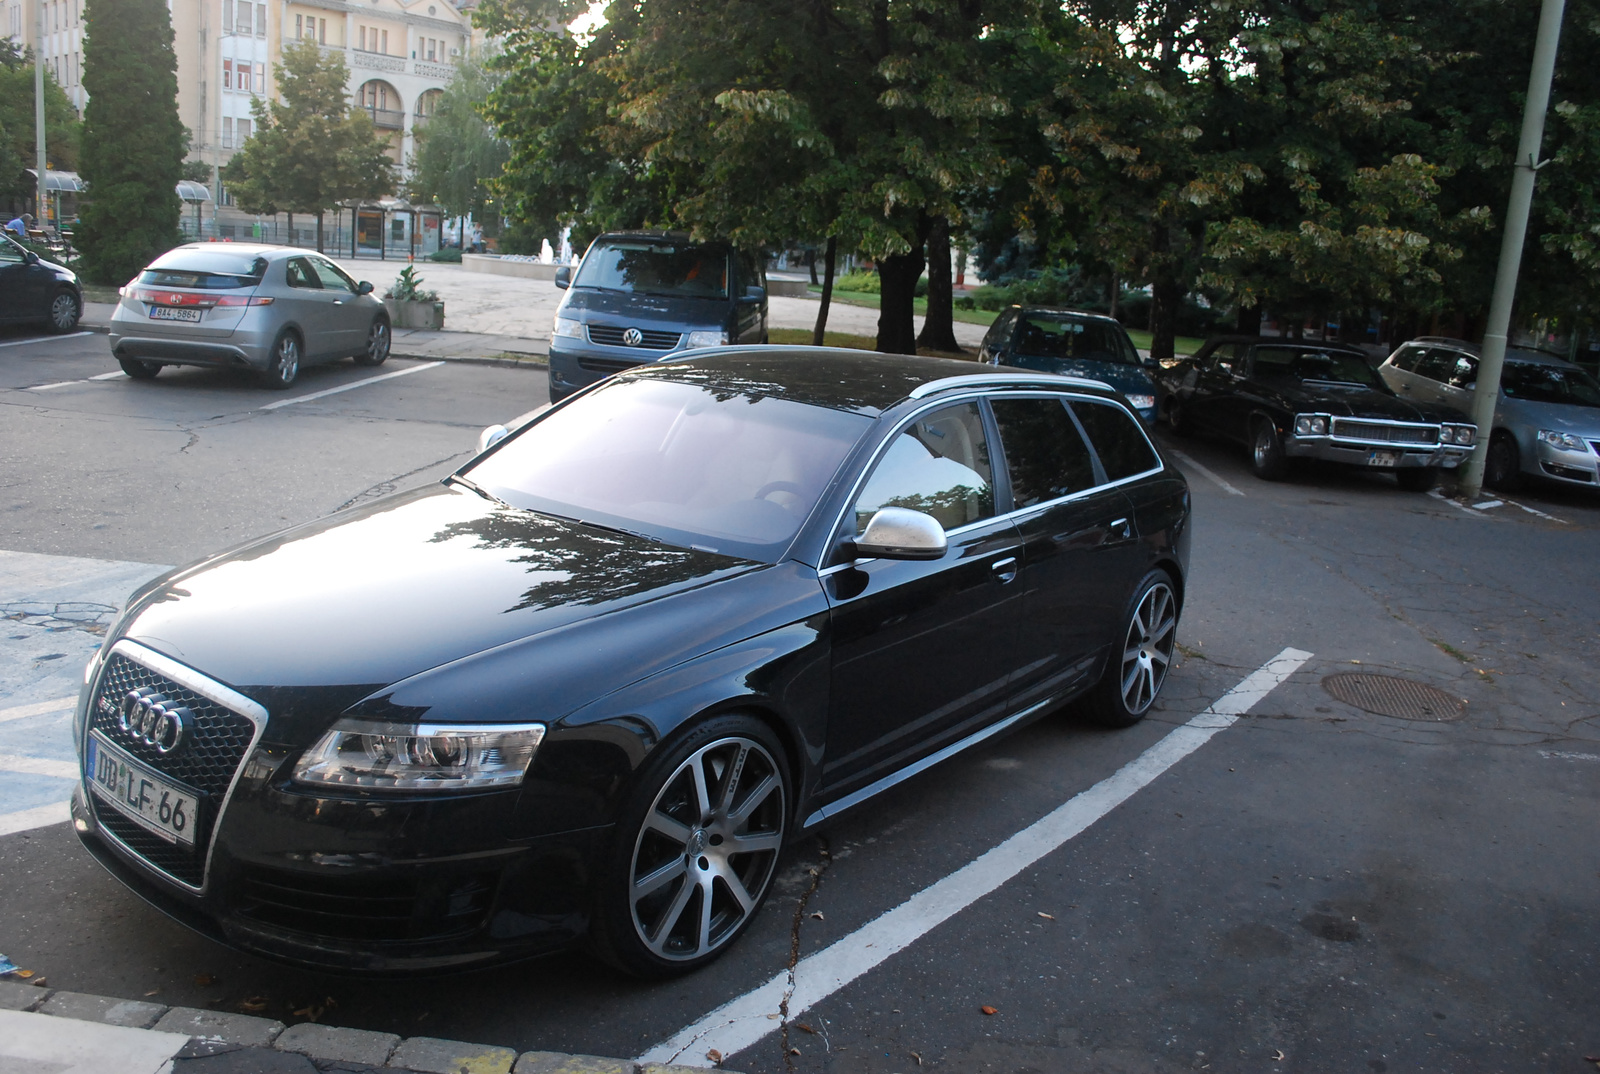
(1092, 314)
(866, 382)
(1285, 341)
(264, 249)
(1526, 355)
(669, 236)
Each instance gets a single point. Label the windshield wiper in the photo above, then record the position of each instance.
(468, 483)
(597, 525)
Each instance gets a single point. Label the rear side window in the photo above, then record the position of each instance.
(1117, 439)
(299, 273)
(1045, 455)
(1437, 364)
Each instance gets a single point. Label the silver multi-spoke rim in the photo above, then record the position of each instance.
(64, 311)
(1263, 446)
(1147, 650)
(288, 360)
(707, 849)
(378, 342)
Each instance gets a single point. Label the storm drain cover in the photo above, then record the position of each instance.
(1388, 695)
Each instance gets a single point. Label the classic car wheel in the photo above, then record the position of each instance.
(64, 312)
(695, 852)
(1416, 479)
(1133, 679)
(1502, 469)
(285, 365)
(1267, 459)
(1178, 417)
(139, 369)
(377, 351)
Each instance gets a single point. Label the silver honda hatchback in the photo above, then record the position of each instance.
(271, 309)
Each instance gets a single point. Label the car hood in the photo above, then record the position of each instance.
(683, 312)
(1581, 421)
(391, 590)
(1124, 378)
(1354, 402)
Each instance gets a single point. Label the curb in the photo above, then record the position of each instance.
(215, 1033)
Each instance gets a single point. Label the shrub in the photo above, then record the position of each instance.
(861, 282)
(450, 255)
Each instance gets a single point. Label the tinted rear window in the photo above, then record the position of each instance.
(1045, 456)
(1117, 439)
(1549, 384)
(205, 270)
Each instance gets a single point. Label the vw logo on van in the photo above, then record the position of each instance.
(150, 718)
(632, 337)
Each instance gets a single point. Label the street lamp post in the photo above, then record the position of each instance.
(1492, 358)
(38, 109)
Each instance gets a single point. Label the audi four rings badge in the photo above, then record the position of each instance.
(150, 718)
(633, 337)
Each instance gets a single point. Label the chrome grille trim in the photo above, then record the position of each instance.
(1378, 430)
(211, 690)
(610, 335)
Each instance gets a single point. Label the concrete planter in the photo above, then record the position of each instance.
(415, 314)
(493, 263)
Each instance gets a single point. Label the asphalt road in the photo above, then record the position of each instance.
(1317, 888)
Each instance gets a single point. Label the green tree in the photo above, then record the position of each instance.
(311, 149)
(133, 143)
(458, 154)
(63, 131)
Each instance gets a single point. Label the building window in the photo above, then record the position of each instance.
(244, 131)
(261, 20)
(243, 74)
(299, 27)
(227, 16)
(242, 20)
(227, 132)
(385, 44)
(261, 78)
(227, 74)
(432, 44)
(322, 31)
(362, 38)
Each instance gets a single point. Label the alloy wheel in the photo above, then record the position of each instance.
(286, 360)
(1147, 650)
(707, 849)
(63, 312)
(377, 343)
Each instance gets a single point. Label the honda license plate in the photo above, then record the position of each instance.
(173, 313)
(140, 793)
(1382, 458)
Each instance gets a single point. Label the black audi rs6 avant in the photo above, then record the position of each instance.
(589, 684)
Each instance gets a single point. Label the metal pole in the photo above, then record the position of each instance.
(39, 202)
(1527, 164)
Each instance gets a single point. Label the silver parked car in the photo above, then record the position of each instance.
(1546, 422)
(272, 309)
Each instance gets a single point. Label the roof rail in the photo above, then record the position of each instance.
(1021, 380)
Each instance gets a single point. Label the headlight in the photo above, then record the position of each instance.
(1141, 402)
(566, 326)
(705, 339)
(1464, 434)
(1564, 441)
(1310, 425)
(420, 757)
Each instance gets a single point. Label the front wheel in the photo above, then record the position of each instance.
(377, 351)
(695, 851)
(64, 312)
(139, 369)
(284, 366)
(1137, 669)
(1267, 458)
(1178, 417)
(1502, 470)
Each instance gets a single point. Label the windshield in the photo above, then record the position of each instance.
(727, 472)
(1047, 335)
(204, 269)
(1326, 366)
(655, 268)
(1549, 384)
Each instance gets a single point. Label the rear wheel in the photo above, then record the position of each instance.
(378, 335)
(1502, 470)
(1267, 459)
(1178, 417)
(284, 367)
(1138, 667)
(1416, 479)
(64, 312)
(139, 369)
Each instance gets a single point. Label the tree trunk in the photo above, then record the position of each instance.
(938, 328)
(811, 263)
(817, 333)
(1165, 295)
(291, 229)
(1116, 294)
(897, 315)
(1249, 322)
(319, 231)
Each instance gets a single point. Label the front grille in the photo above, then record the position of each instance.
(206, 762)
(610, 335)
(386, 907)
(1385, 431)
(606, 365)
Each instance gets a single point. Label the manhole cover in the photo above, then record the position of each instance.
(1388, 695)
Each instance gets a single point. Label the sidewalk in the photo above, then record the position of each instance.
(74, 1033)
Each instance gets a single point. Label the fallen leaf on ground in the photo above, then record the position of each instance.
(802, 1026)
(152, 992)
(1047, 917)
(40, 982)
(204, 979)
(714, 1055)
(254, 1003)
(917, 1057)
(24, 974)
(794, 1051)
(989, 1010)
(816, 915)
(1278, 1056)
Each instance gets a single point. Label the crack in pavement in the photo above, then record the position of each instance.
(383, 488)
(816, 872)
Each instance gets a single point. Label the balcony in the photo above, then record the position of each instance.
(388, 119)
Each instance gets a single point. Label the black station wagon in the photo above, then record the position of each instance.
(591, 683)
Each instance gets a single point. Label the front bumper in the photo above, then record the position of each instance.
(1568, 466)
(1375, 454)
(572, 368)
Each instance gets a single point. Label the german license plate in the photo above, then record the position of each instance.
(1382, 458)
(139, 793)
(173, 313)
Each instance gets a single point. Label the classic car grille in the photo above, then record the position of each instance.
(366, 908)
(1386, 431)
(606, 365)
(206, 762)
(610, 335)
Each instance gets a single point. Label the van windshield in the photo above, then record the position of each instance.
(656, 268)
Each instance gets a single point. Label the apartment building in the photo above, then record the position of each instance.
(63, 38)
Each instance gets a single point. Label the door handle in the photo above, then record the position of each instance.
(1121, 529)
(338, 302)
(1004, 569)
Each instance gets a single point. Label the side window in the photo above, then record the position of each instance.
(1227, 358)
(1117, 439)
(939, 465)
(332, 279)
(9, 254)
(1464, 374)
(1045, 456)
(1406, 358)
(1437, 364)
(995, 339)
(301, 274)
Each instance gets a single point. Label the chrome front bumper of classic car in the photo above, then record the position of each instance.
(1379, 442)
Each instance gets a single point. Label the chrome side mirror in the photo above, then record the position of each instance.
(900, 533)
(491, 436)
(564, 277)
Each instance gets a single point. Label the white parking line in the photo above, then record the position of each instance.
(57, 384)
(1486, 504)
(1442, 498)
(38, 817)
(349, 387)
(38, 708)
(1536, 511)
(741, 1022)
(1204, 472)
(38, 766)
(113, 375)
(45, 339)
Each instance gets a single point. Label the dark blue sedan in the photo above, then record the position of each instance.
(1072, 343)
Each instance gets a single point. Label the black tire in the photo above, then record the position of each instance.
(1138, 664)
(1178, 417)
(664, 865)
(65, 309)
(139, 368)
(1502, 469)
(1416, 479)
(284, 366)
(378, 340)
(1267, 458)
